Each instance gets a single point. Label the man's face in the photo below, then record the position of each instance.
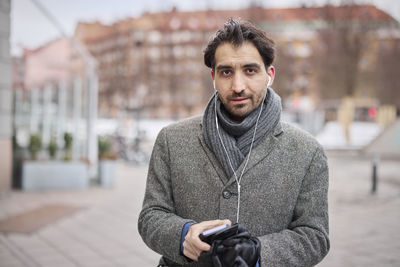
(240, 78)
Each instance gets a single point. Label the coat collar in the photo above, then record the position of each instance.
(258, 153)
(212, 158)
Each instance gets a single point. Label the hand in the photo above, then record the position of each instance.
(193, 246)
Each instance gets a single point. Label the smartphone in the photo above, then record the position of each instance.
(219, 232)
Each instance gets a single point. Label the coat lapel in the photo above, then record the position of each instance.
(259, 152)
(213, 159)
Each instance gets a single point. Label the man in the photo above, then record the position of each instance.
(238, 163)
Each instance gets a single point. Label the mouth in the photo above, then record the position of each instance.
(239, 100)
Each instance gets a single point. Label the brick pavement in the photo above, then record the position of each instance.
(363, 226)
(103, 234)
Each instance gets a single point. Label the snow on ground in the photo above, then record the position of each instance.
(332, 135)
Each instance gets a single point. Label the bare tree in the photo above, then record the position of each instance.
(343, 42)
(285, 69)
(388, 71)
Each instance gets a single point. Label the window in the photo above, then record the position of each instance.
(154, 37)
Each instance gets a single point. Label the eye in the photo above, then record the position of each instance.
(250, 71)
(226, 73)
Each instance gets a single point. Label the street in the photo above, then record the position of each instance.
(363, 227)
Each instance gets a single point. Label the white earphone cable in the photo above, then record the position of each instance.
(238, 180)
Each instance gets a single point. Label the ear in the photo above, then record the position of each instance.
(212, 74)
(271, 73)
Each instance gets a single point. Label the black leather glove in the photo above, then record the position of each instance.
(240, 250)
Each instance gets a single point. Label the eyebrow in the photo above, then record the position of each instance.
(252, 65)
(223, 67)
(249, 65)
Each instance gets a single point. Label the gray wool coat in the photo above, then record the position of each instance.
(283, 194)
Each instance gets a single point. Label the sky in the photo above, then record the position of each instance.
(31, 29)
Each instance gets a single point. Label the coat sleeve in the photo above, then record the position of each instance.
(158, 224)
(305, 242)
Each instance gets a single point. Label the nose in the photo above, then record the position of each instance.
(238, 84)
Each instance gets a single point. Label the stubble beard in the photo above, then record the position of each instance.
(239, 111)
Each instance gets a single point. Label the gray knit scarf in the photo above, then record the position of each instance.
(237, 136)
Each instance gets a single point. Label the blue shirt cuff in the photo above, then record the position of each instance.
(185, 229)
(258, 263)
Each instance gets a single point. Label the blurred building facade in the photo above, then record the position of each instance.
(154, 63)
(5, 98)
(49, 102)
(48, 63)
(43, 86)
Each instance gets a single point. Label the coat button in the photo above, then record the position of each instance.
(226, 194)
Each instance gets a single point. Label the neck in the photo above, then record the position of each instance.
(236, 118)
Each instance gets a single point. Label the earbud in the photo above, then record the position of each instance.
(269, 80)
(214, 85)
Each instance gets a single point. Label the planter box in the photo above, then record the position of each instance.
(107, 172)
(38, 175)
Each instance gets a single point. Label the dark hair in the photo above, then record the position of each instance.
(237, 32)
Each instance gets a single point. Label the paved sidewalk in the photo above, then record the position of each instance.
(364, 227)
(103, 234)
